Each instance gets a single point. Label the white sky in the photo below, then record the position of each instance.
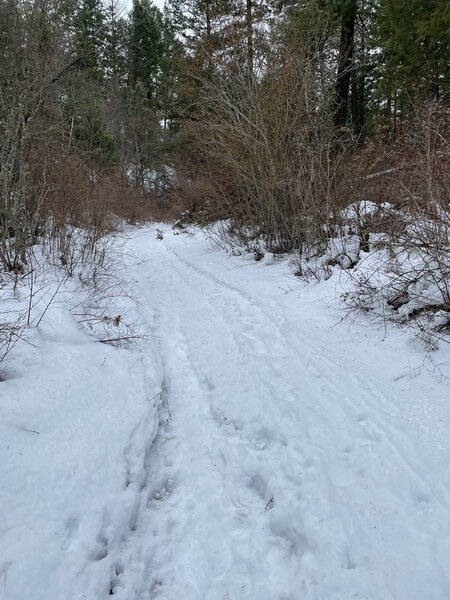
(127, 4)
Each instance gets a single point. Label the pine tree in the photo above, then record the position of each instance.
(115, 43)
(89, 24)
(145, 47)
(415, 39)
(347, 12)
(247, 30)
(202, 25)
(171, 58)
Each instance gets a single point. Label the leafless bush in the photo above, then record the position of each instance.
(11, 331)
(269, 158)
(31, 122)
(408, 278)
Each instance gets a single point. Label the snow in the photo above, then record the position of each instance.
(251, 446)
(76, 420)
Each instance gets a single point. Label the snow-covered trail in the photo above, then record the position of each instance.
(296, 462)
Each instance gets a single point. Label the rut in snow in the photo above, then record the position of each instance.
(282, 473)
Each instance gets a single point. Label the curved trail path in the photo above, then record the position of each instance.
(296, 459)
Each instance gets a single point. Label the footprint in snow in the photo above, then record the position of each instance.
(70, 531)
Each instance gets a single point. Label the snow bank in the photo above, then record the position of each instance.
(77, 419)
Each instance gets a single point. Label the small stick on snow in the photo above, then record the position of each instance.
(120, 339)
(269, 505)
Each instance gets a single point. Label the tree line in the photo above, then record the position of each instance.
(249, 110)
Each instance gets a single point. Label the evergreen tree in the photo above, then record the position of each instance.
(89, 25)
(115, 43)
(145, 47)
(347, 13)
(203, 26)
(171, 58)
(364, 74)
(415, 40)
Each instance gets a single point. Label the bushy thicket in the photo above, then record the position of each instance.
(80, 134)
(303, 135)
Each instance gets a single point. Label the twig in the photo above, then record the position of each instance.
(269, 505)
(30, 303)
(30, 430)
(51, 299)
(120, 339)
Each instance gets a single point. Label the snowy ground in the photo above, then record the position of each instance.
(296, 458)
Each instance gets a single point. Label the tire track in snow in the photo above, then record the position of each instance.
(263, 405)
(235, 503)
(331, 372)
(366, 417)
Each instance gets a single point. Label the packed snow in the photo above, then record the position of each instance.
(252, 445)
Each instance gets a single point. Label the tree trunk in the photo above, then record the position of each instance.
(345, 63)
(209, 65)
(249, 27)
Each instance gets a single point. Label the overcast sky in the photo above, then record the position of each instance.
(127, 4)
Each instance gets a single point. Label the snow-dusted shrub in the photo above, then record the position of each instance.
(316, 261)
(406, 277)
(11, 331)
(86, 281)
(15, 309)
(105, 303)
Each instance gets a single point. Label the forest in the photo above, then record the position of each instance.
(271, 114)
